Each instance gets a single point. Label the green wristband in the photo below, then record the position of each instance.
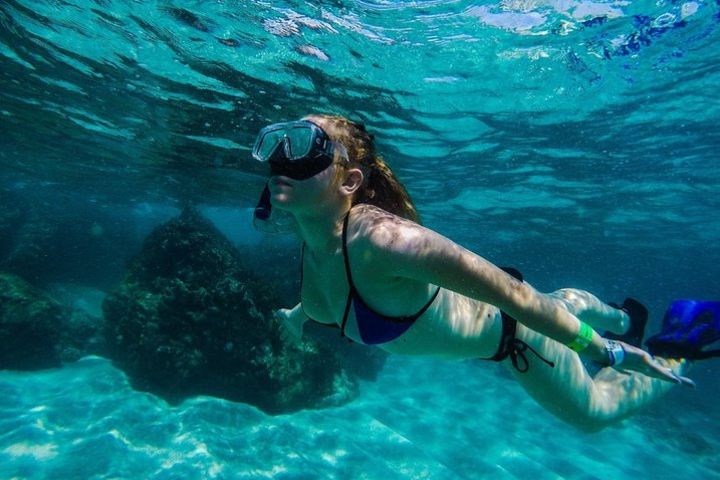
(583, 339)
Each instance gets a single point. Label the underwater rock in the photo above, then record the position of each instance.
(38, 332)
(35, 248)
(30, 325)
(188, 320)
(82, 335)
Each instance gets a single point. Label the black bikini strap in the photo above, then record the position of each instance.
(507, 335)
(351, 284)
(345, 316)
(427, 305)
(518, 352)
(348, 273)
(513, 347)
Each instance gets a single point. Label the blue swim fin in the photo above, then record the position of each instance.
(688, 327)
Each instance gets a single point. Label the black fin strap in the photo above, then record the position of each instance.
(703, 355)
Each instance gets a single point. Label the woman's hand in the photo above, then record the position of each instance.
(638, 360)
(291, 324)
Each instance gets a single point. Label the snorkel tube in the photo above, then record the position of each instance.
(263, 210)
(264, 219)
(268, 220)
(264, 207)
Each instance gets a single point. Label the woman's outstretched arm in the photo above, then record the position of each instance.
(406, 249)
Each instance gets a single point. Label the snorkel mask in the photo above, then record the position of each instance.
(298, 150)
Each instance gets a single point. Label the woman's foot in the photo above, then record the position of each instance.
(638, 319)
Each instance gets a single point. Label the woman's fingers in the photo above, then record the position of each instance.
(288, 331)
(688, 382)
(641, 361)
(666, 373)
(282, 314)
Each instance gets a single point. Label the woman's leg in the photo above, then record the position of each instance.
(588, 308)
(569, 392)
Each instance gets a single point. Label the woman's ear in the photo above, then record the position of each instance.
(353, 181)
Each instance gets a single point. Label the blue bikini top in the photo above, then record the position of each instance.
(374, 327)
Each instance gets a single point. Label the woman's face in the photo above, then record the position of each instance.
(309, 195)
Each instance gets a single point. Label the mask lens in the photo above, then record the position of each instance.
(300, 142)
(297, 140)
(267, 143)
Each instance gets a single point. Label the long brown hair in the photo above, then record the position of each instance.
(381, 187)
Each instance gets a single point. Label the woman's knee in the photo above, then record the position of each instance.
(575, 300)
(566, 390)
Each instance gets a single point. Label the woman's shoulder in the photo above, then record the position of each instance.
(373, 228)
(371, 215)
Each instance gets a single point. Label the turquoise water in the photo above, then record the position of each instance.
(575, 140)
(84, 421)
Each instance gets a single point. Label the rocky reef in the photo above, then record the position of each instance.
(37, 331)
(193, 314)
(30, 326)
(188, 319)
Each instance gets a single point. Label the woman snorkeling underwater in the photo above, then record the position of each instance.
(369, 268)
